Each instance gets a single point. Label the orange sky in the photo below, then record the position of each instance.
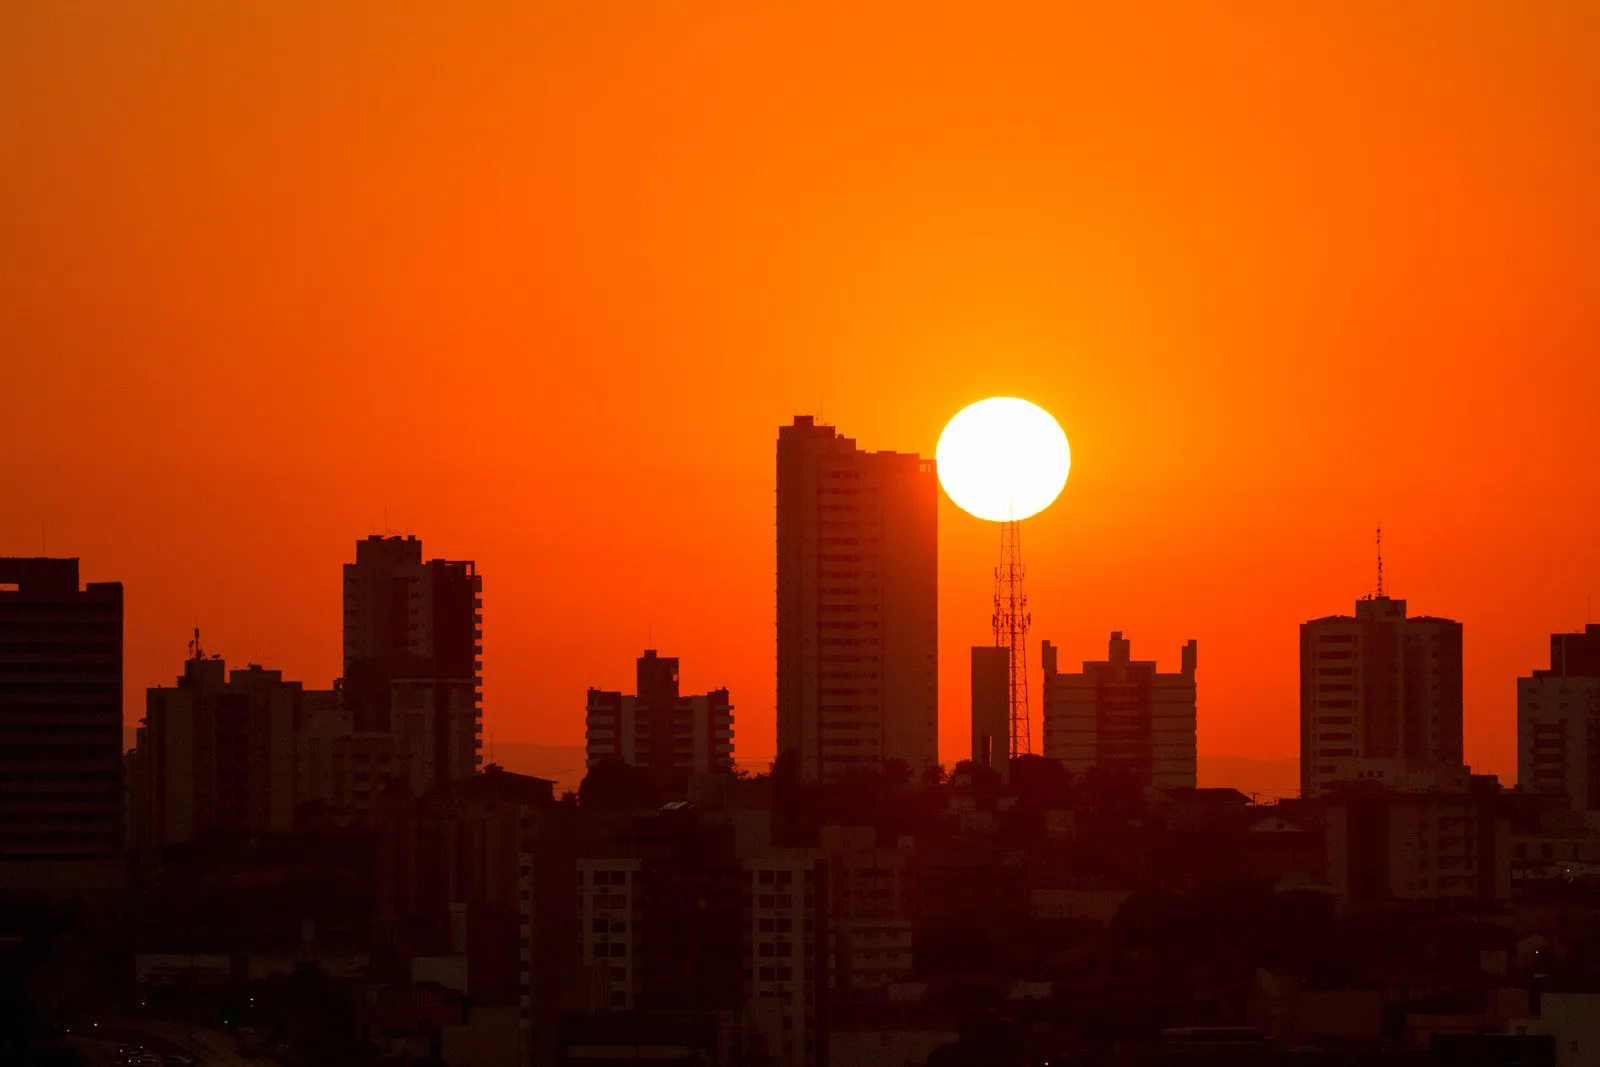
(540, 283)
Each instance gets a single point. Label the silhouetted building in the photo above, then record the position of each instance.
(455, 890)
(858, 593)
(1122, 714)
(657, 727)
(1386, 846)
(413, 634)
(1558, 722)
(869, 907)
(991, 709)
(1380, 696)
(660, 907)
(785, 939)
(217, 753)
(61, 760)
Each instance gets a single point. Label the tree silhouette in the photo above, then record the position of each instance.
(614, 785)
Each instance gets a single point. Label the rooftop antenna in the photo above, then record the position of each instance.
(194, 646)
(1380, 560)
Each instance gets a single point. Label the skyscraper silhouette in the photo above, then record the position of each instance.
(1380, 696)
(857, 604)
(412, 641)
(61, 817)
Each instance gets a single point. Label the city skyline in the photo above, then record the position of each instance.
(952, 747)
(1214, 287)
(554, 534)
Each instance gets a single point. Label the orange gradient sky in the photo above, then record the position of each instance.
(539, 281)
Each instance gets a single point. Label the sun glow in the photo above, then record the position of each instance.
(1003, 459)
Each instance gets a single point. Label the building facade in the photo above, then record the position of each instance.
(1558, 722)
(1120, 713)
(454, 894)
(61, 759)
(1385, 846)
(217, 753)
(857, 648)
(656, 726)
(1380, 695)
(869, 909)
(413, 639)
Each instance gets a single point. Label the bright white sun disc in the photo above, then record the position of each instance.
(1003, 459)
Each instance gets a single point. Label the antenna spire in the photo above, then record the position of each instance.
(1380, 559)
(1011, 622)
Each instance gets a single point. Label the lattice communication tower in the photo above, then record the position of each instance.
(1011, 621)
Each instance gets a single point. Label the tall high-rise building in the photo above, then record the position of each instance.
(1380, 697)
(413, 638)
(656, 726)
(1558, 722)
(1122, 714)
(61, 789)
(858, 628)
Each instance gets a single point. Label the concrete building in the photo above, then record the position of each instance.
(606, 907)
(455, 895)
(858, 629)
(869, 908)
(1558, 722)
(657, 727)
(786, 934)
(1122, 713)
(1380, 695)
(61, 759)
(991, 709)
(411, 626)
(660, 899)
(217, 752)
(1573, 1019)
(1386, 846)
(247, 752)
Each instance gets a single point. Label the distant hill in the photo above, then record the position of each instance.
(1269, 778)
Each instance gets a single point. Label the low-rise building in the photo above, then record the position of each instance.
(1388, 846)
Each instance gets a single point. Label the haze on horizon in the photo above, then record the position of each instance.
(540, 282)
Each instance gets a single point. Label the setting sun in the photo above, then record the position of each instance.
(1003, 459)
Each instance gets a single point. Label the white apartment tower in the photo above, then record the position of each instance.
(858, 591)
(1122, 714)
(1380, 697)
